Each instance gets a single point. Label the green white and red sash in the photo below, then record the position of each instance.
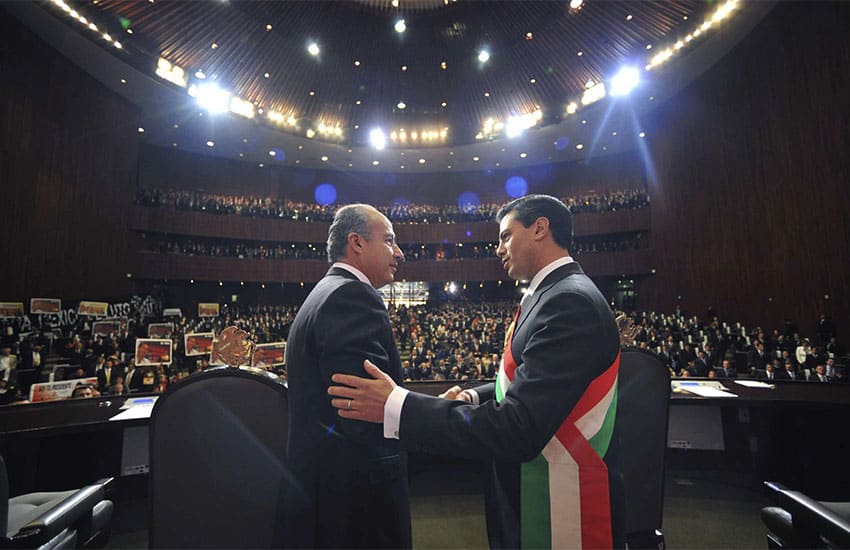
(564, 493)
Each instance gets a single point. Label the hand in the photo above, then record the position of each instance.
(361, 398)
(456, 394)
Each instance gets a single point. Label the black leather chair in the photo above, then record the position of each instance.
(802, 522)
(217, 459)
(49, 520)
(643, 403)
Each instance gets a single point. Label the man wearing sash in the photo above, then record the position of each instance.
(547, 423)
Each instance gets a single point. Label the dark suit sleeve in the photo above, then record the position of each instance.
(570, 342)
(351, 326)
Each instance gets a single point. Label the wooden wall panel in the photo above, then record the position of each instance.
(68, 159)
(750, 204)
(166, 220)
(208, 268)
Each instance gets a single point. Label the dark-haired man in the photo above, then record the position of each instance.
(348, 483)
(547, 422)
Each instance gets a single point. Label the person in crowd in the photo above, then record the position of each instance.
(769, 373)
(789, 372)
(819, 374)
(560, 364)
(83, 391)
(727, 370)
(349, 483)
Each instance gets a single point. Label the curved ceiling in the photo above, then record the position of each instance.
(542, 56)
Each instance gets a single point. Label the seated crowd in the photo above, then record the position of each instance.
(412, 252)
(451, 341)
(269, 207)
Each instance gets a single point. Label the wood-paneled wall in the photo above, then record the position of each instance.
(167, 220)
(68, 164)
(208, 268)
(750, 205)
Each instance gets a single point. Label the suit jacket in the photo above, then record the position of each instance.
(348, 484)
(564, 340)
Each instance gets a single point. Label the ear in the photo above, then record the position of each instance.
(541, 228)
(355, 242)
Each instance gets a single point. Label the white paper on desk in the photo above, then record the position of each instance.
(139, 401)
(706, 391)
(754, 384)
(134, 413)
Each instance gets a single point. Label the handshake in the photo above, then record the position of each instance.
(455, 393)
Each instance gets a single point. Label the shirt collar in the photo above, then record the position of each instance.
(353, 270)
(543, 273)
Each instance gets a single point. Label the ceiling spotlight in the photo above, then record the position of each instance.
(377, 138)
(394, 3)
(529, 35)
(400, 26)
(311, 93)
(404, 68)
(356, 63)
(211, 97)
(523, 155)
(579, 146)
(475, 159)
(443, 104)
(272, 153)
(625, 81)
(401, 105)
(576, 4)
(200, 75)
(214, 46)
(374, 163)
(483, 56)
(629, 17)
(421, 161)
(324, 158)
(210, 143)
(642, 134)
(141, 130)
(313, 49)
(444, 65)
(266, 75)
(268, 27)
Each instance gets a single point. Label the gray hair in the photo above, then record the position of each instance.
(353, 218)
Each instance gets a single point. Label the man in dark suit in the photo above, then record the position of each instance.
(547, 423)
(348, 484)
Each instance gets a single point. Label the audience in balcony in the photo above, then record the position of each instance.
(268, 207)
(185, 246)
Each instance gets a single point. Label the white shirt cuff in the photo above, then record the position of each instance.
(392, 412)
(474, 395)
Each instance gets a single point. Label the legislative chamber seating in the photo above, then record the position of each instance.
(62, 519)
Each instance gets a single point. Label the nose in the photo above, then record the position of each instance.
(398, 254)
(501, 250)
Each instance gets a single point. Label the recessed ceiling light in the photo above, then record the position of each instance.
(401, 105)
(129, 31)
(403, 68)
(529, 35)
(210, 143)
(311, 92)
(350, 165)
(580, 53)
(421, 161)
(444, 65)
(579, 146)
(356, 63)
(266, 75)
(268, 27)
(324, 158)
(297, 161)
(376, 162)
(241, 155)
(451, 153)
(629, 17)
(576, 4)
(400, 26)
(357, 102)
(349, 150)
(174, 145)
(614, 133)
(123, 81)
(272, 153)
(200, 74)
(483, 56)
(356, 126)
(261, 165)
(443, 104)
(401, 166)
(214, 45)
(584, 122)
(176, 126)
(523, 155)
(649, 46)
(486, 94)
(313, 49)
(642, 134)
(475, 159)
(498, 164)
(449, 166)
(244, 140)
(533, 81)
(685, 17)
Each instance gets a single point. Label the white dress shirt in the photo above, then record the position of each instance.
(353, 270)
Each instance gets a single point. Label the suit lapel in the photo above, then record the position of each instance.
(562, 272)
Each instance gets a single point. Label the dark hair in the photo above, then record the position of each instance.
(526, 210)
